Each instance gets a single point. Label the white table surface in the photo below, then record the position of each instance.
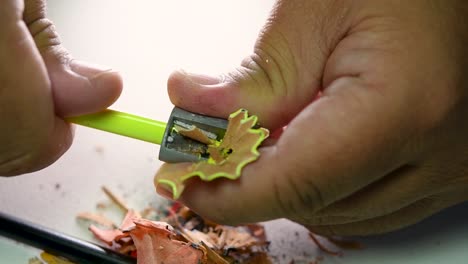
(145, 41)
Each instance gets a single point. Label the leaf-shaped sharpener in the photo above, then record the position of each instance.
(226, 157)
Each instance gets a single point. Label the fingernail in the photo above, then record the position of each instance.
(87, 69)
(201, 79)
(165, 191)
(102, 77)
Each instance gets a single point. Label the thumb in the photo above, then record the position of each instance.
(277, 80)
(78, 88)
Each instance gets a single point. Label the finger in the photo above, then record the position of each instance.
(78, 88)
(33, 137)
(281, 76)
(396, 190)
(400, 188)
(402, 218)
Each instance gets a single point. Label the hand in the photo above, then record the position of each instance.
(374, 95)
(39, 85)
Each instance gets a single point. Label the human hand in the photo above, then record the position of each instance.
(39, 85)
(375, 98)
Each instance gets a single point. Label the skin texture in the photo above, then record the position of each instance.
(374, 95)
(40, 84)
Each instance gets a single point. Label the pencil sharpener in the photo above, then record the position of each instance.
(178, 148)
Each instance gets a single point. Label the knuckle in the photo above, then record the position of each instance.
(272, 64)
(44, 33)
(47, 39)
(309, 195)
(299, 200)
(34, 10)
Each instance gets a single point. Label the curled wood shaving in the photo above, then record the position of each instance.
(227, 158)
(107, 236)
(195, 133)
(154, 241)
(324, 248)
(224, 238)
(212, 255)
(116, 199)
(155, 244)
(97, 219)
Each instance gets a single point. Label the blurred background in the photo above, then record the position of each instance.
(145, 41)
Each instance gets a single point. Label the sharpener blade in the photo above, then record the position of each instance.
(177, 148)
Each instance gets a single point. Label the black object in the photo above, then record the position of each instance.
(59, 244)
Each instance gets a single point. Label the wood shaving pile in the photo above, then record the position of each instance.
(181, 235)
